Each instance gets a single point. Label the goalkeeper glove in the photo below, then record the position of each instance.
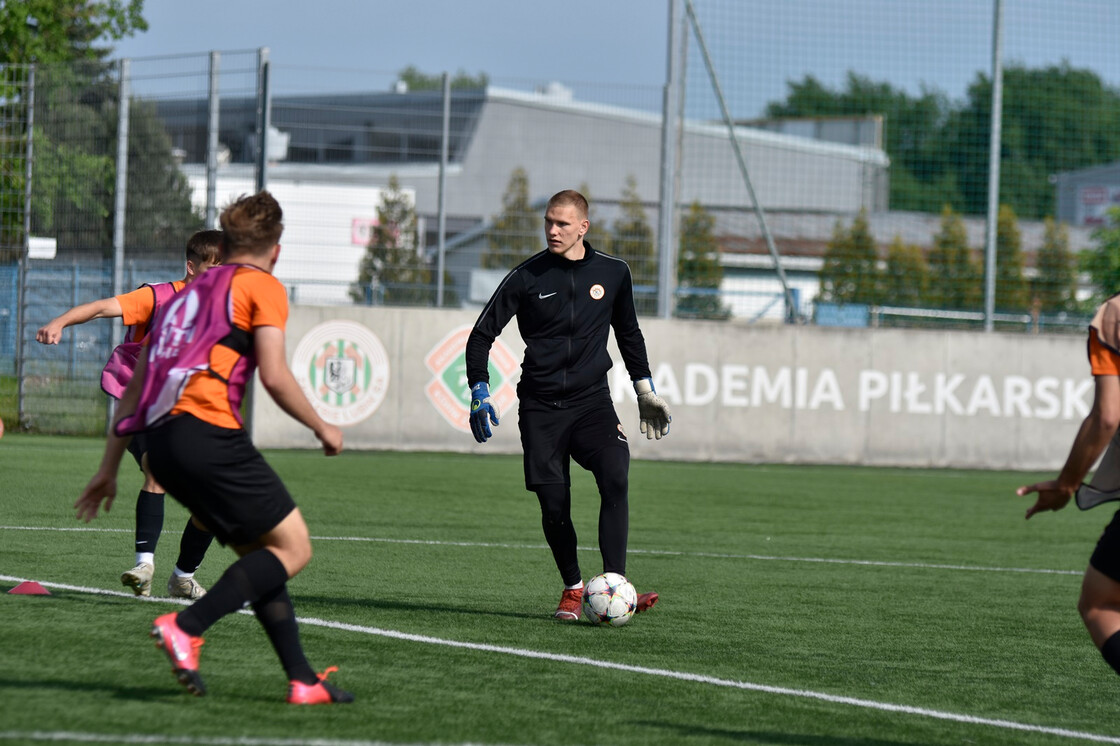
(652, 410)
(483, 409)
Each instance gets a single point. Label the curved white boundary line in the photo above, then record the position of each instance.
(643, 670)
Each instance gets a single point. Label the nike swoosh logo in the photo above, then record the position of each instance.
(542, 296)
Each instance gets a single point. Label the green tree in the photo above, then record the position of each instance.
(50, 33)
(632, 241)
(850, 271)
(597, 235)
(74, 176)
(393, 270)
(515, 234)
(45, 31)
(1054, 287)
(1055, 119)
(912, 127)
(954, 276)
(418, 81)
(699, 271)
(905, 281)
(1012, 290)
(1103, 262)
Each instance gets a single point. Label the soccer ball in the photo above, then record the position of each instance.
(609, 599)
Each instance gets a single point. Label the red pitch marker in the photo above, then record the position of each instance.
(30, 588)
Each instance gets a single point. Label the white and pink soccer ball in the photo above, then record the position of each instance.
(609, 599)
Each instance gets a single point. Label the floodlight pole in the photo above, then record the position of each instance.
(993, 167)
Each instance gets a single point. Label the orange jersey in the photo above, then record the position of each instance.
(258, 299)
(1102, 360)
(137, 307)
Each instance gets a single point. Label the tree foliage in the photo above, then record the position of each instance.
(1012, 290)
(850, 271)
(954, 275)
(597, 233)
(632, 241)
(1103, 263)
(1056, 118)
(74, 176)
(699, 271)
(905, 280)
(515, 234)
(419, 81)
(393, 270)
(45, 31)
(53, 33)
(1054, 287)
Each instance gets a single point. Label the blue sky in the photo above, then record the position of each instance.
(758, 45)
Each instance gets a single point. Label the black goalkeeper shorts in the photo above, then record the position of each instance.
(588, 432)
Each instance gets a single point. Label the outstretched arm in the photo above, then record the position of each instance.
(277, 378)
(103, 485)
(106, 308)
(1091, 439)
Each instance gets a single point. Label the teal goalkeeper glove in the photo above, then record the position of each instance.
(483, 409)
(652, 410)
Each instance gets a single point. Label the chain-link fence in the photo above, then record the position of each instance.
(804, 177)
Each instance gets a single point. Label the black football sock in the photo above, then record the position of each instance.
(556, 519)
(611, 468)
(276, 614)
(192, 547)
(149, 520)
(614, 526)
(245, 581)
(1110, 650)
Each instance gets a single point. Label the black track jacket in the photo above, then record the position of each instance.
(564, 310)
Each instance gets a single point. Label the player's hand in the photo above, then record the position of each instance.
(50, 334)
(652, 410)
(103, 486)
(1051, 496)
(483, 412)
(331, 438)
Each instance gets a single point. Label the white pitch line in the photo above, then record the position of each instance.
(647, 552)
(659, 672)
(135, 738)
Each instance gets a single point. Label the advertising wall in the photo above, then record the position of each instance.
(394, 378)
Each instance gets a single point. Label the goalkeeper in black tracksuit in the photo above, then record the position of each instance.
(566, 299)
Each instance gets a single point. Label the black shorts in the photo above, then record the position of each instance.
(552, 436)
(220, 477)
(138, 446)
(1106, 556)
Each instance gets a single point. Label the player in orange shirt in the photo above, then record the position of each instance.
(137, 309)
(186, 397)
(1099, 604)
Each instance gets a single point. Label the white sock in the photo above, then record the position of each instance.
(573, 587)
(148, 557)
(181, 574)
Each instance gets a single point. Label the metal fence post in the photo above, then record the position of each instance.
(444, 149)
(120, 205)
(264, 117)
(212, 144)
(25, 254)
(670, 126)
(993, 166)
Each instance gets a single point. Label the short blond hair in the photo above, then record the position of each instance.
(569, 197)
